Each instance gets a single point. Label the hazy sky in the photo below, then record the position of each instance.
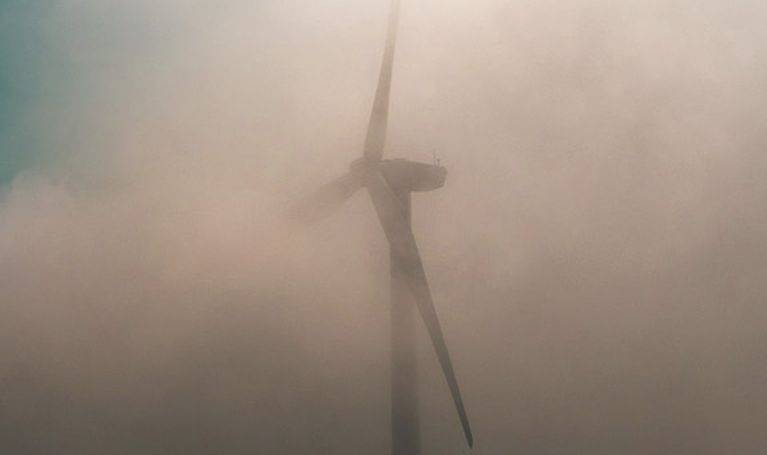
(597, 257)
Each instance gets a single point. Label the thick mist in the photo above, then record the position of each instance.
(597, 257)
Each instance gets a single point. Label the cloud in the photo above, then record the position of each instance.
(596, 255)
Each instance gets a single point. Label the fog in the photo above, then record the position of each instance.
(597, 256)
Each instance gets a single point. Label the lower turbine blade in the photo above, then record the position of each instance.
(329, 197)
(405, 252)
(418, 285)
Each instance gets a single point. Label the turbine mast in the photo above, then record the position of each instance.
(405, 430)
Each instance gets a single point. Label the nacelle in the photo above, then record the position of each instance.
(413, 176)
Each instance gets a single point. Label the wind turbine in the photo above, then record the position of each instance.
(389, 184)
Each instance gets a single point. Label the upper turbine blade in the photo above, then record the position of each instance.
(376, 134)
(326, 199)
(393, 219)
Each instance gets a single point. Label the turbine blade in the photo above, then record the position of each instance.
(329, 197)
(416, 278)
(376, 133)
(391, 213)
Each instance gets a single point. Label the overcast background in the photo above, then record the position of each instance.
(598, 256)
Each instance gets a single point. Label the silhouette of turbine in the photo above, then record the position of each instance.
(389, 184)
